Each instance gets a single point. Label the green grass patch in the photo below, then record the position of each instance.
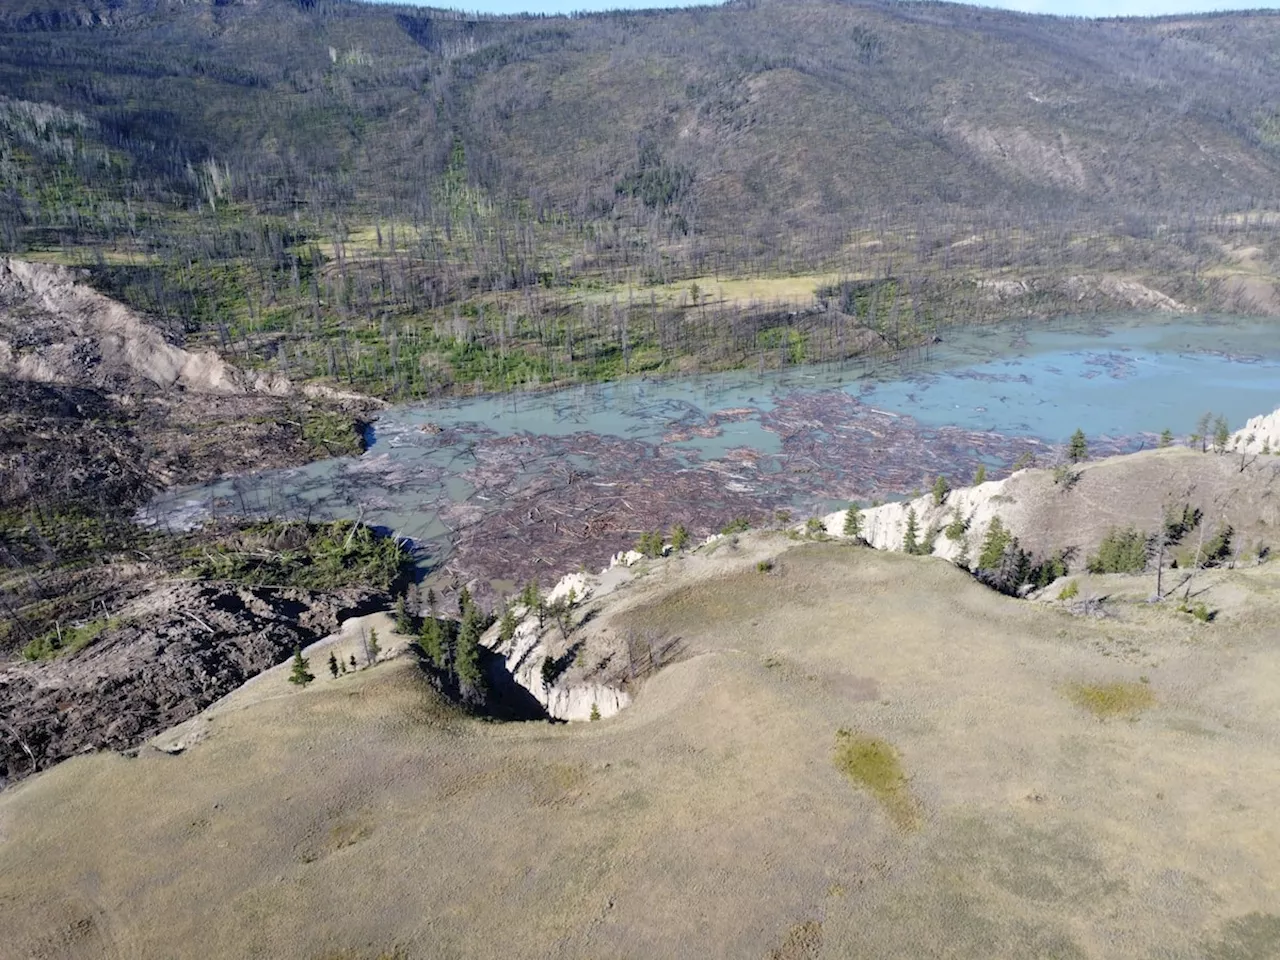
(874, 766)
(72, 640)
(1108, 700)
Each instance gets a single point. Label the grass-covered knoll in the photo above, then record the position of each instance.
(316, 556)
(708, 817)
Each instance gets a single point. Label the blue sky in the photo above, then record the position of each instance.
(1084, 8)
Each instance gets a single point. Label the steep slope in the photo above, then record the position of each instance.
(744, 119)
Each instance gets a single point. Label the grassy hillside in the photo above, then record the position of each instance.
(861, 755)
(418, 202)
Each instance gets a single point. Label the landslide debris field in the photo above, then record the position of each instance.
(859, 754)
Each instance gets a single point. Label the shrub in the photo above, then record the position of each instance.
(814, 527)
(957, 528)
(764, 566)
(1070, 591)
(737, 525)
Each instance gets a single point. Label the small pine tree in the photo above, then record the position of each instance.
(301, 673)
(333, 665)
(464, 601)
(371, 648)
(1078, 448)
(431, 639)
(529, 595)
(1166, 438)
(679, 538)
(981, 475)
(1201, 435)
(404, 625)
(595, 712)
(940, 490)
(466, 659)
(853, 521)
(911, 539)
(431, 600)
(354, 665)
(1221, 434)
(507, 629)
(994, 545)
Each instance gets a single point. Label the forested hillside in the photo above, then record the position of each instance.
(416, 201)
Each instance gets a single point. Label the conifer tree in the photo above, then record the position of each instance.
(333, 665)
(981, 475)
(940, 490)
(301, 673)
(466, 664)
(371, 647)
(354, 665)
(853, 521)
(1166, 438)
(679, 538)
(404, 624)
(1221, 434)
(911, 540)
(431, 639)
(507, 629)
(1078, 448)
(994, 545)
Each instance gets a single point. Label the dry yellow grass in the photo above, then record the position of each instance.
(359, 818)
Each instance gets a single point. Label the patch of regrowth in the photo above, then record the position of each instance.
(1199, 610)
(1070, 591)
(764, 566)
(1111, 700)
(874, 766)
(314, 556)
(63, 643)
(331, 434)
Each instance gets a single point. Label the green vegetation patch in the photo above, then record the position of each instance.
(875, 766)
(1107, 700)
(57, 643)
(332, 435)
(315, 556)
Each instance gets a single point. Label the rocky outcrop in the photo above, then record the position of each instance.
(573, 694)
(1260, 435)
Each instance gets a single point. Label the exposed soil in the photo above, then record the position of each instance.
(176, 649)
(99, 409)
